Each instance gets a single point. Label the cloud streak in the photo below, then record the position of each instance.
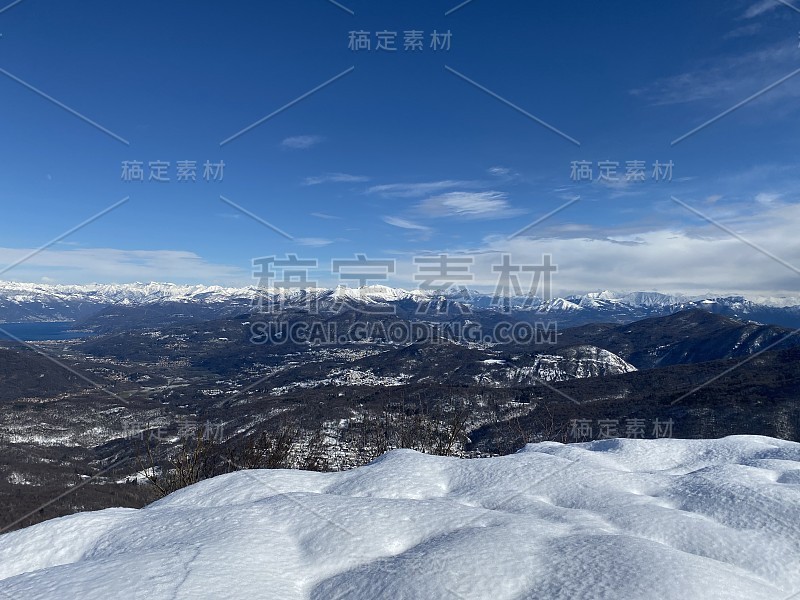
(468, 205)
(111, 265)
(759, 8)
(405, 224)
(727, 79)
(335, 178)
(302, 142)
(419, 190)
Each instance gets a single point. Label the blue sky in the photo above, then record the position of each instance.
(403, 154)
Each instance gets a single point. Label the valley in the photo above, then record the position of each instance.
(82, 412)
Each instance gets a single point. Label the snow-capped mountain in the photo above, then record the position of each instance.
(130, 293)
(32, 302)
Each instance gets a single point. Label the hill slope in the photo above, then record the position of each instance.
(686, 337)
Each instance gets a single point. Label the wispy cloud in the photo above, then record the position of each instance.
(325, 216)
(767, 198)
(503, 174)
(111, 265)
(744, 31)
(418, 190)
(405, 224)
(759, 8)
(723, 80)
(469, 205)
(313, 242)
(335, 178)
(302, 142)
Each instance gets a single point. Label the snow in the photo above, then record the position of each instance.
(606, 519)
(561, 304)
(132, 293)
(18, 479)
(578, 362)
(377, 293)
(344, 377)
(142, 294)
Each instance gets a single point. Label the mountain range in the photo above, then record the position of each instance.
(104, 307)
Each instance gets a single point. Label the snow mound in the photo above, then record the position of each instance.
(607, 519)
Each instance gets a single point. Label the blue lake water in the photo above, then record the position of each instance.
(39, 332)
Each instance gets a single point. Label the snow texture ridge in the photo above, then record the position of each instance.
(607, 519)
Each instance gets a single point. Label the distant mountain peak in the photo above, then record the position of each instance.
(26, 302)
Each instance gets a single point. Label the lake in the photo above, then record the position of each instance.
(39, 332)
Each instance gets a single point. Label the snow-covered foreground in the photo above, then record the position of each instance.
(608, 519)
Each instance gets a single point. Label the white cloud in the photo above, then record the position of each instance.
(313, 242)
(725, 80)
(405, 224)
(483, 205)
(665, 261)
(417, 190)
(325, 216)
(699, 259)
(767, 198)
(110, 265)
(759, 8)
(335, 178)
(744, 31)
(302, 142)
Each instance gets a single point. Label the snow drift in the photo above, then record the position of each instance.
(607, 519)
